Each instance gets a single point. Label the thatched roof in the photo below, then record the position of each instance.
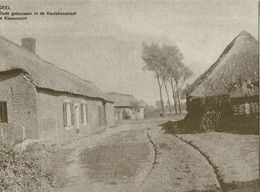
(44, 74)
(238, 64)
(122, 100)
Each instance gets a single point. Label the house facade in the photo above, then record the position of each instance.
(125, 106)
(226, 96)
(41, 101)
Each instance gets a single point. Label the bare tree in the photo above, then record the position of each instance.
(182, 75)
(150, 111)
(172, 59)
(173, 95)
(158, 106)
(152, 56)
(165, 79)
(178, 72)
(166, 62)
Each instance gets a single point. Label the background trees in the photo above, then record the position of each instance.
(152, 56)
(166, 62)
(136, 106)
(150, 111)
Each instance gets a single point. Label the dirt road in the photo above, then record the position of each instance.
(135, 157)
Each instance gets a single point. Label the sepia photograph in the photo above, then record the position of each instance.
(129, 96)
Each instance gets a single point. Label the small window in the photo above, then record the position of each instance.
(84, 113)
(68, 114)
(3, 112)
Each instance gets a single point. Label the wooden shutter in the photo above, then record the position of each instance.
(5, 112)
(72, 113)
(2, 112)
(86, 112)
(65, 114)
(82, 113)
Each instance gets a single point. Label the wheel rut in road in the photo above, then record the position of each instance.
(155, 149)
(177, 165)
(220, 180)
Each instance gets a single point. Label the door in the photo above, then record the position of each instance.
(77, 118)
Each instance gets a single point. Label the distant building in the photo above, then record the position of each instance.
(124, 109)
(228, 92)
(39, 100)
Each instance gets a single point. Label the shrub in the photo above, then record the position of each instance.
(26, 170)
(150, 111)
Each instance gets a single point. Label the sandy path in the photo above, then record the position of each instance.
(136, 158)
(116, 160)
(178, 167)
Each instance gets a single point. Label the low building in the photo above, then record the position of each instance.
(126, 106)
(226, 96)
(39, 100)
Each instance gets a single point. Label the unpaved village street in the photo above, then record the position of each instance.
(135, 157)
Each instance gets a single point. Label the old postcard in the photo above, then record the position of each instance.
(129, 96)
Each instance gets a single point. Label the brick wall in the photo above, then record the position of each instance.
(50, 114)
(20, 96)
(39, 113)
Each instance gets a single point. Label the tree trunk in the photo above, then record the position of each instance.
(169, 103)
(160, 89)
(178, 96)
(174, 98)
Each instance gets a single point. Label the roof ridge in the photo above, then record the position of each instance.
(15, 44)
(37, 56)
(93, 90)
(214, 65)
(64, 70)
(244, 33)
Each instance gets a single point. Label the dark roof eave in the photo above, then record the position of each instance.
(76, 94)
(123, 107)
(127, 107)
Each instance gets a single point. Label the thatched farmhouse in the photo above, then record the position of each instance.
(126, 106)
(39, 100)
(226, 96)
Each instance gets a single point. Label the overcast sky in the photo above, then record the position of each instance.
(102, 43)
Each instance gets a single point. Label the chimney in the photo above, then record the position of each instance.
(29, 44)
